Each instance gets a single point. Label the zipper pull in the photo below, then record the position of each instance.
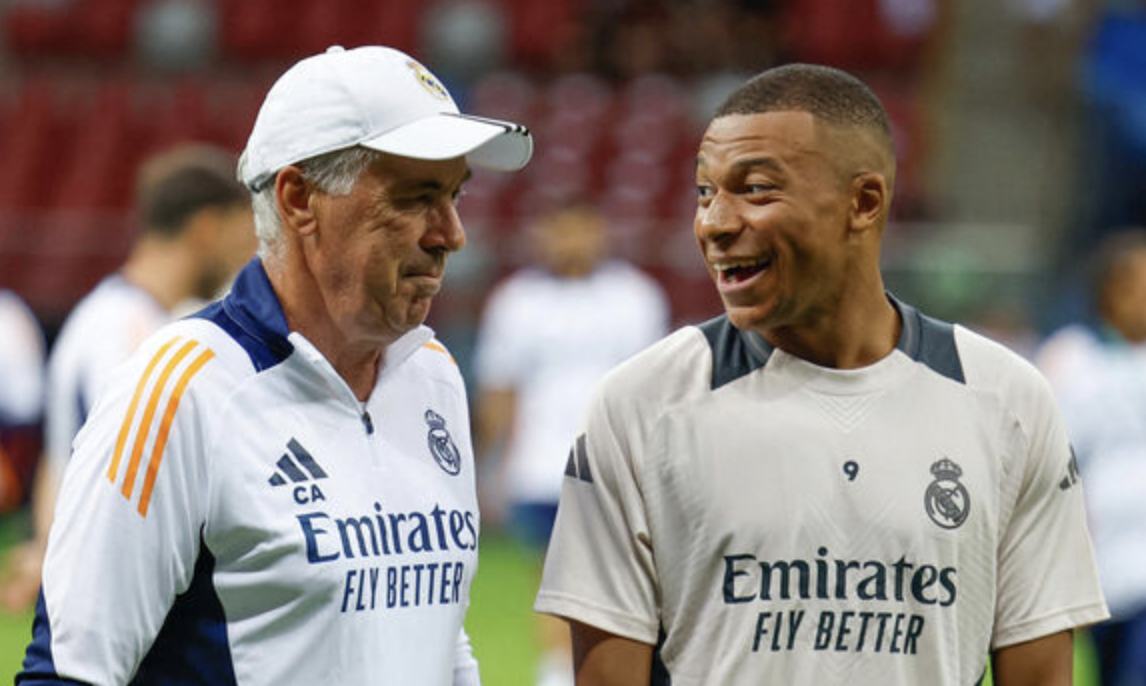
(368, 423)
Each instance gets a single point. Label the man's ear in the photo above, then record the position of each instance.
(870, 199)
(294, 196)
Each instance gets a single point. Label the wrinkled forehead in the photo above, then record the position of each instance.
(400, 172)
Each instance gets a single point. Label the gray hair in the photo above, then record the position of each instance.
(333, 173)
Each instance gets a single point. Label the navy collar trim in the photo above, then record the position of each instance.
(736, 353)
(253, 317)
(252, 303)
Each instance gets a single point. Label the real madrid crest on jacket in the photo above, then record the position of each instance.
(441, 445)
(308, 545)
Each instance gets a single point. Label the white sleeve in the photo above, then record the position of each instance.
(126, 535)
(1047, 577)
(465, 665)
(599, 569)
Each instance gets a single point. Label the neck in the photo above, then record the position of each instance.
(859, 330)
(356, 360)
(161, 269)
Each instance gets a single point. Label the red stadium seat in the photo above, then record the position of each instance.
(540, 29)
(824, 31)
(254, 29)
(32, 29)
(101, 28)
(505, 95)
(33, 158)
(583, 96)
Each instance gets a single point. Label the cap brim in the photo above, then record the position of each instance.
(488, 143)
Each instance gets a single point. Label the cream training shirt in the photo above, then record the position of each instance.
(765, 520)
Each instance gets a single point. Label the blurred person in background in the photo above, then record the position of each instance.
(1098, 372)
(279, 489)
(195, 232)
(822, 485)
(549, 332)
(21, 399)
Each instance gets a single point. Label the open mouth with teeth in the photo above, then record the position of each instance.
(741, 270)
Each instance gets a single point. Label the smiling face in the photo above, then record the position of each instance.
(379, 254)
(773, 217)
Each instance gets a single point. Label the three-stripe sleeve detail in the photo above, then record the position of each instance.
(578, 465)
(167, 391)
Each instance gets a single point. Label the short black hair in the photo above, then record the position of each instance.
(174, 185)
(827, 93)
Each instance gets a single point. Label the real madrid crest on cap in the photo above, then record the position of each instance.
(441, 444)
(947, 501)
(428, 81)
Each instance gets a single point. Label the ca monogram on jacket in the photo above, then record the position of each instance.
(298, 468)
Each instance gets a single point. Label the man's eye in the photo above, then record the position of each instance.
(703, 192)
(419, 200)
(456, 196)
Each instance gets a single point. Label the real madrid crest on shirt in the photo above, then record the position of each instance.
(947, 501)
(442, 446)
(428, 81)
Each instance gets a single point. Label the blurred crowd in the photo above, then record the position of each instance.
(1022, 120)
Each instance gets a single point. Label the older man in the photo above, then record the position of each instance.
(280, 489)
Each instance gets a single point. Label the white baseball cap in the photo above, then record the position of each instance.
(376, 97)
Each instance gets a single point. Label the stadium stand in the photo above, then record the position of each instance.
(88, 98)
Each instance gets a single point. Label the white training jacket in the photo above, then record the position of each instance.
(232, 514)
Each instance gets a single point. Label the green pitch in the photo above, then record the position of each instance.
(499, 621)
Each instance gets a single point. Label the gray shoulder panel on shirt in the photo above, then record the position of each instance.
(929, 341)
(735, 353)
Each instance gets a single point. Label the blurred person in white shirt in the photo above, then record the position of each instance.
(195, 232)
(550, 331)
(1098, 373)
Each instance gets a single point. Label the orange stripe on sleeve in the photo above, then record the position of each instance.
(124, 430)
(149, 415)
(436, 346)
(165, 428)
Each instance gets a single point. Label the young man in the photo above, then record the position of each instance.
(279, 490)
(195, 233)
(823, 484)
